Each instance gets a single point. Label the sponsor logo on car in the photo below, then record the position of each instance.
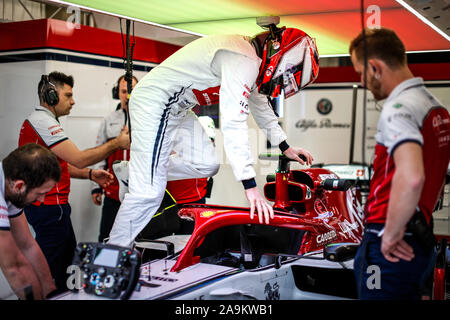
(347, 227)
(272, 292)
(207, 214)
(328, 176)
(326, 237)
(308, 193)
(324, 216)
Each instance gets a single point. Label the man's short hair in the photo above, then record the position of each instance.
(58, 79)
(123, 77)
(33, 164)
(381, 43)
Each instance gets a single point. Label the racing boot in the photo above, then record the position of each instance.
(120, 169)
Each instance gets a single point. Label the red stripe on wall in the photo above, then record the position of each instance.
(337, 74)
(428, 71)
(62, 35)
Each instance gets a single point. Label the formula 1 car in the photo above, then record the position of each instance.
(305, 252)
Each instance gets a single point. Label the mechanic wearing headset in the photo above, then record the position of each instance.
(26, 175)
(50, 218)
(411, 159)
(110, 128)
(243, 71)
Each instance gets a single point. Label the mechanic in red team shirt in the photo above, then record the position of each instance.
(50, 218)
(243, 72)
(411, 160)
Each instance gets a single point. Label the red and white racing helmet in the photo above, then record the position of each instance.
(290, 61)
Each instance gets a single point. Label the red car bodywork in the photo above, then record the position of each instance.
(300, 202)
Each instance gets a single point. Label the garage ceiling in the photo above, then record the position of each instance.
(333, 23)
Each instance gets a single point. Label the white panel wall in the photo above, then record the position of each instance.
(18, 93)
(327, 137)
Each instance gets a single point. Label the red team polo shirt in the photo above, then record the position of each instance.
(410, 114)
(187, 190)
(41, 127)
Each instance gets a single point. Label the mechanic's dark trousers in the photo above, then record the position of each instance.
(379, 279)
(109, 212)
(55, 236)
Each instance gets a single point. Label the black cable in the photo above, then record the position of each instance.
(121, 38)
(363, 146)
(128, 64)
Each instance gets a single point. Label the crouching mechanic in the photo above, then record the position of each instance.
(240, 70)
(26, 175)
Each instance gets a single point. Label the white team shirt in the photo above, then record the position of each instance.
(7, 209)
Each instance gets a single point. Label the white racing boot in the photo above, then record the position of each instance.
(120, 169)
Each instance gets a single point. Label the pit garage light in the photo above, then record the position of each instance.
(424, 20)
(68, 3)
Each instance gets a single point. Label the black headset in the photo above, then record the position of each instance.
(115, 89)
(48, 92)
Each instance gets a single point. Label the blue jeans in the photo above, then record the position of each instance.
(379, 279)
(55, 236)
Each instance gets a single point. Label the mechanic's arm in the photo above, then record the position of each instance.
(69, 152)
(406, 189)
(99, 176)
(96, 192)
(32, 252)
(267, 121)
(17, 269)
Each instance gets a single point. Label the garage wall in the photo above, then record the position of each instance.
(326, 136)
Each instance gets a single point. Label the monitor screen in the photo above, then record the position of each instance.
(106, 257)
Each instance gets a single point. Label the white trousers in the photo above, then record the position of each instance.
(157, 129)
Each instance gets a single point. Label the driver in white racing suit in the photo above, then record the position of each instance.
(243, 72)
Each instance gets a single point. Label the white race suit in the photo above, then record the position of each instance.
(224, 66)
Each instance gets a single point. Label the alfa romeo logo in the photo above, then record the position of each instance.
(324, 106)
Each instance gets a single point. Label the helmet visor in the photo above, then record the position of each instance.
(295, 67)
(292, 57)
